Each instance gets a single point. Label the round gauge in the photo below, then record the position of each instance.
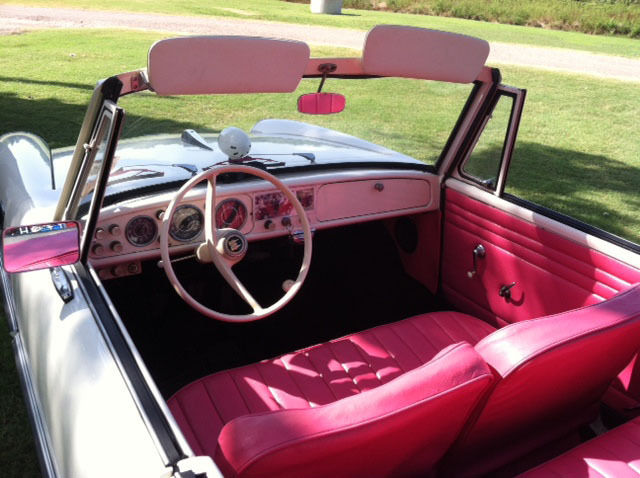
(186, 223)
(231, 213)
(141, 231)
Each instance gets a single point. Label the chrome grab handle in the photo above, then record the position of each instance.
(505, 290)
(478, 253)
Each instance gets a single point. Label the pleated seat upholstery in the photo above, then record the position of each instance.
(616, 454)
(398, 370)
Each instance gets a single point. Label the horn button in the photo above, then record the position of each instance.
(234, 244)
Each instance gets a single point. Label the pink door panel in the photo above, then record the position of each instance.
(552, 274)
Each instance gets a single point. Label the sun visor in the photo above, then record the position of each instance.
(226, 64)
(410, 52)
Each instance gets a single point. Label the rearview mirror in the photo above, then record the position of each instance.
(40, 246)
(321, 103)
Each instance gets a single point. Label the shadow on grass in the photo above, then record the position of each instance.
(593, 188)
(59, 122)
(64, 84)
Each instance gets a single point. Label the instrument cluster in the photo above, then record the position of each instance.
(123, 233)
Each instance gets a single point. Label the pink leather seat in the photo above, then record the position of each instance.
(552, 373)
(384, 402)
(616, 454)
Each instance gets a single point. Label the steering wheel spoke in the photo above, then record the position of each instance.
(227, 273)
(210, 212)
(226, 247)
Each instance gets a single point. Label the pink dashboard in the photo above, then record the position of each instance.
(128, 233)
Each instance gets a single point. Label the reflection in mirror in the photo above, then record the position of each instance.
(29, 248)
(321, 103)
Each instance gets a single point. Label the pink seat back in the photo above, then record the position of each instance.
(397, 429)
(552, 374)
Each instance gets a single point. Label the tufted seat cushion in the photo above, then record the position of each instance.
(321, 406)
(616, 454)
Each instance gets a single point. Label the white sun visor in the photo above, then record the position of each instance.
(226, 64)
(411, 52)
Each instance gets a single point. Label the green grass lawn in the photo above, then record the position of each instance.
(277, 10)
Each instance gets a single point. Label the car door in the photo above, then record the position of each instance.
(506, 258)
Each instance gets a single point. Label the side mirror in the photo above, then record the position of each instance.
(40, 246)
(321, 103)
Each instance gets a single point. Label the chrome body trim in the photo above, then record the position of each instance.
(182, 442)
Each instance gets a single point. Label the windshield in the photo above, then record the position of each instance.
(386, 115)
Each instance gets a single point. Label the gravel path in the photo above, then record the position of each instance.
(16, 19)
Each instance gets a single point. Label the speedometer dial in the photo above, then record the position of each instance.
(231, 213)
(141, 231)
(186, 223)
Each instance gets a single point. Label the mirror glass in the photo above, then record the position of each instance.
(321, 103)
(40, 246)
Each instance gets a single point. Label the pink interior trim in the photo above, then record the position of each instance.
(226, 64)
(553, 274)
(411, 52)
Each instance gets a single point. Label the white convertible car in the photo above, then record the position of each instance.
(295, 301)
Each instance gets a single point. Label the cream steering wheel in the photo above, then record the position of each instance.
(226, 247)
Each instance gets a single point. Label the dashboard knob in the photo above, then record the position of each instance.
(114, 229)
(104, 273)
(269, 225)
(159, 214)
(100, 233)
(286, 221)
(119, 270)
(116, 246)
(97, 249)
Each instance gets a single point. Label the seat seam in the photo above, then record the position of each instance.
(347, 373)
(213, 404)
(441, 327)
(193, 432)
(368, 362)
(408, 347)
(462, 324)
(264, 381)
(293, 380)
(322, 377)
(244, 401)
(423, 335)
(389, 354)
